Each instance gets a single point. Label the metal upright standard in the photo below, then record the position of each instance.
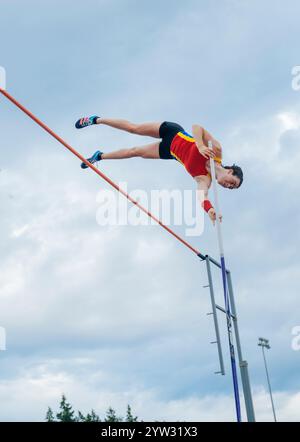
(230, 314)
(243, 364)
(214, 307)
(264, 343)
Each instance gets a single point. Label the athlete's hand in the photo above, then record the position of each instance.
(205, 151)
(213, 216)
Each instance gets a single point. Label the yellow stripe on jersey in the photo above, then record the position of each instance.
(186, 137)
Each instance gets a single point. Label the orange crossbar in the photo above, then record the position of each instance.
(102, 175)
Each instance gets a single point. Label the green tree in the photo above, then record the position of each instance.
(111, 416)
(66, 413)
(49, 415)
(129, 415)
(90, 417)
(81, 417)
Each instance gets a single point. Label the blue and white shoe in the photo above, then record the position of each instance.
(94, 159)
(86, 121)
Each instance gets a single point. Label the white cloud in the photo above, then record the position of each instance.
(289, 120)
(20, 231)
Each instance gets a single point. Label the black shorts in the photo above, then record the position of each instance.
(167, 132)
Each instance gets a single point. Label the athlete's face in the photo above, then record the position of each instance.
(228, 180)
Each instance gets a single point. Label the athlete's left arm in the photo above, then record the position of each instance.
(202, 137)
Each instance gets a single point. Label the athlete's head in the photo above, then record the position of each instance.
(232, 177)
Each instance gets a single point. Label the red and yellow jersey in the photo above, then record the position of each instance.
(184, 149)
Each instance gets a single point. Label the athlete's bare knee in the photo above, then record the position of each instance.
(133, 128)
(135, 152)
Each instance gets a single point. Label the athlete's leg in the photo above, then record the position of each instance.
(149, 151)
(146, 129)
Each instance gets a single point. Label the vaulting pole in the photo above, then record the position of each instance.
(225, 289)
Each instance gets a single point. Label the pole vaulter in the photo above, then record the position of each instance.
(216, 217)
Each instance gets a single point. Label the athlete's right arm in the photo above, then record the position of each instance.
(203, 184)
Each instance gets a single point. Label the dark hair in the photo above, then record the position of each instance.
(237, 171)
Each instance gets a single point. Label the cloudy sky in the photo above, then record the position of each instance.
(110, 315)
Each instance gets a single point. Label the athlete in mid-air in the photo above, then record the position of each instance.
(175, 144)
